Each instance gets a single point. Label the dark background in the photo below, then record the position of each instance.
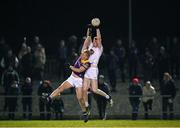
(53, 20)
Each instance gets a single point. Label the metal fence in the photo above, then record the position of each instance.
(121, 109)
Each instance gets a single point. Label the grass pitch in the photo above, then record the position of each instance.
(92, 123)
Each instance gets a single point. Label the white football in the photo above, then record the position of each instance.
(95, 22)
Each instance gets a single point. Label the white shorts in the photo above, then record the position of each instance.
(92, 73)
(75, 81)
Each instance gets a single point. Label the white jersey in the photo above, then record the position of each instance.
(94, 58)
(148, 93)
(92, 71)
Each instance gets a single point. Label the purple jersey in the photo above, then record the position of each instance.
(78, 64)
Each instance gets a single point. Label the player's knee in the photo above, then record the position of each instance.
(60, 89)
(85, 89)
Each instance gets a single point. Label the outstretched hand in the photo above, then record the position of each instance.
(70, 66)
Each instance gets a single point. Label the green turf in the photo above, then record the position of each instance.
(92, 123)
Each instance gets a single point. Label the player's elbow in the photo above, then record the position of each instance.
(79, 71)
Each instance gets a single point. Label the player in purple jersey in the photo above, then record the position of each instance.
(75, 80)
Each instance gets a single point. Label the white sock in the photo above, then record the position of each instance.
(107, 97)
(86, 104)
(50, 97)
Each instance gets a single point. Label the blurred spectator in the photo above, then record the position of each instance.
(167, 43)
(148, 97)
(175, 55)
(72, 44)
(120, 52)
(163, 62)
(148, 65)
(74, 55)
(135, 93)
(27, 64)
(103, 64)
(39, 62)
(81, 44)
(100, 100)
(168, 93)
(58, 107)
(9, 77)
(90, 96)
(12, 98)
(35, 43)
(153, 47)
(133, 60)
(9, 59)
(112, 68)
(62, 57)
(23, 49)
(26, 91)
(44, 90)
(4, 47)
(3, 51)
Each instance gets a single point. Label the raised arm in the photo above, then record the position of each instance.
(88, 40)
(98, 35)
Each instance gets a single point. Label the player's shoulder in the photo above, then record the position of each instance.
(85, 61)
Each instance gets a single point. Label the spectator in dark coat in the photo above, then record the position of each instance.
(9, 60)
(133, 60)
(9, 77)
(148, 65)
(4, 47)
(26, 91)
(27, 63)
(120, 52)
(163, 62)
(112, 68)
(39, 62)
(62, 57)
(174, 54)
(168, 93)
(100, 100)
(12, 98)
(58, 107)
(135, 93)
(44, 91)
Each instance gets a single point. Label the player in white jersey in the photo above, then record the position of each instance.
(91, 74)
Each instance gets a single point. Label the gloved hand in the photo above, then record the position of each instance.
(67, 64)
(90, 27)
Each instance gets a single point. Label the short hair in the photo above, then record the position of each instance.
(168, 75)
(48, 82)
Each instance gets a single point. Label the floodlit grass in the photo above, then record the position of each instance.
(91, 123)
